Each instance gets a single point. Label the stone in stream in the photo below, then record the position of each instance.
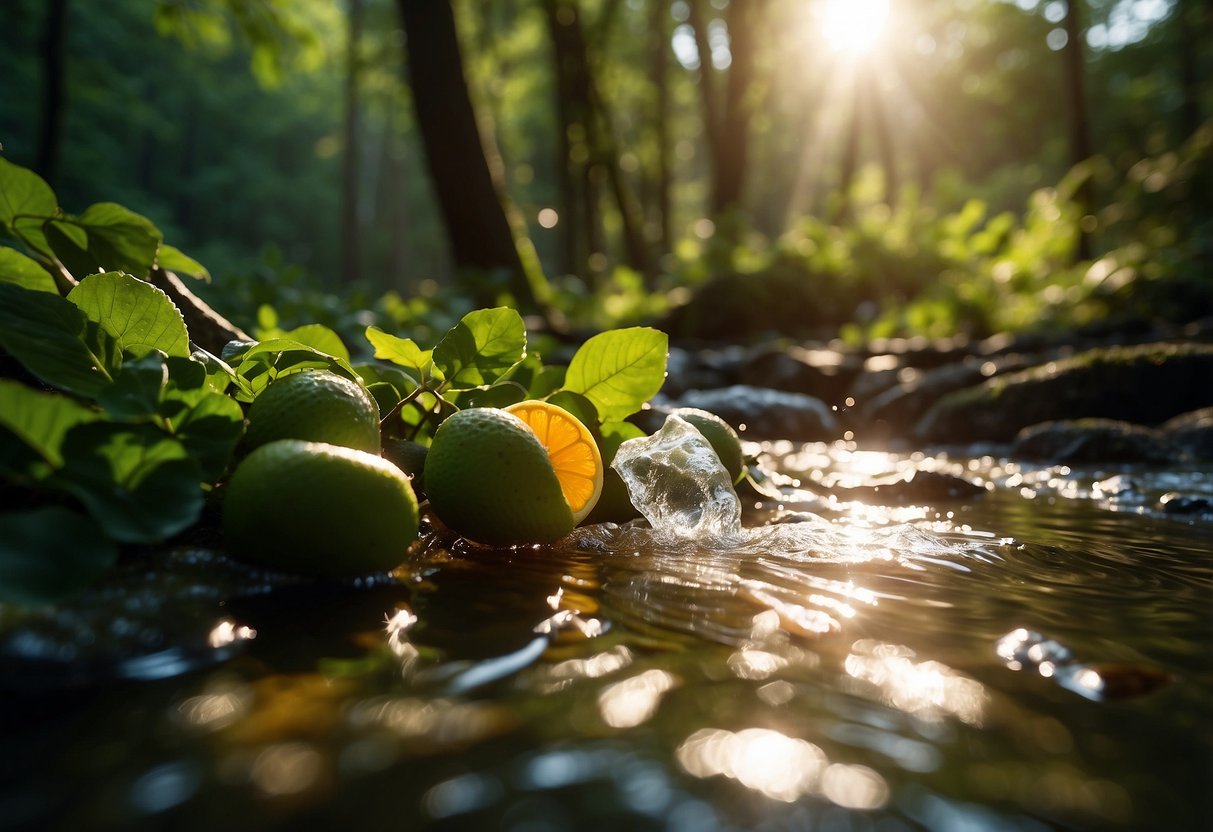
(920, 488)
(1193, 433)
(1080, 441)
(766, 414)
(1146, 384)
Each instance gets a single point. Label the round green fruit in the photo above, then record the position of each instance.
(317, 509)
(316, 406)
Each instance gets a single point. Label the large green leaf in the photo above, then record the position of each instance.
(40, 420)
(402, 352)
(55, 341)
(26, 202)
(619, 370)
(138, 388)
(257, 363)
(140, 317)
(50, 553)
(481, 348)
(117, 239)
(174, 260)
(138, 484)
(16, 268)
(320, 337)
(210, 430)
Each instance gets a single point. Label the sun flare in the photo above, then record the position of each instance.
(854, 26)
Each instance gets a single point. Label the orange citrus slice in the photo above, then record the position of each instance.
(572, 450)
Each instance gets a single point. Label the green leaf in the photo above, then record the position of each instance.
(55, 341)
(619, 370)
(172, 259)
(137, 389)
(219, 375)
(16, 268)
(50, 553)
(138, 484)
(209, 428)
(499, 395)
(579, 406)
(140, 317)
(402, 352)
(320, 337)
(40, 420)
(26, 202)
(481, 348)
(119, 240)
(257, 363)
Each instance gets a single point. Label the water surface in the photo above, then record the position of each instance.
(841, 672)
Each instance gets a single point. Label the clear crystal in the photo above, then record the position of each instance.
(676, 481)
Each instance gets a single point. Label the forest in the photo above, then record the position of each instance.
(864, 169)
(543, 415)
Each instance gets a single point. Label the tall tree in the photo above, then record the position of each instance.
(659, 23)
(1080, 132)
(351, 266)
(726, 114)
(589, 151)
(54, 89)
(478, 230)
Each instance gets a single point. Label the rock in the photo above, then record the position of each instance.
(1093, 441)
(1147, 384)
(764, 413)
(922, 487)
(898, 408)
(1175, 503)
(1193, 433)
(824, 373)
(687, 370)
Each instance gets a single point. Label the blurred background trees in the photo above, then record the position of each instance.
(729, 167)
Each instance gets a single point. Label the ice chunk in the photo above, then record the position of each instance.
(676, 481)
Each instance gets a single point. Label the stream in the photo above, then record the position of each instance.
(1036, 656)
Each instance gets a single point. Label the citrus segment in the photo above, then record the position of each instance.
(572, 450)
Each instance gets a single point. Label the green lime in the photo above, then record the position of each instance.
(614, 506)
(317, 406)
(490, 479)
(720, 434)
(319, 509)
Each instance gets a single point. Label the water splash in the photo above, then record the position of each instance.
(697, 569)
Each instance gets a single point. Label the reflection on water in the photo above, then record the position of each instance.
(854, 666)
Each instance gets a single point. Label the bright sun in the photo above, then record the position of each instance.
(854, 26)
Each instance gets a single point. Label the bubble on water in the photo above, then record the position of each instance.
(676, 481)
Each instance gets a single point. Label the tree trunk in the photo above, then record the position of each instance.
(726, 121)
(54, 90)
(591, 150)
(884, 140)
(1191, 19)
(351, 266)
(573, 113)
(850, 159)
(659, 24)
(1080, 141)
(478, 231)
(733, 131)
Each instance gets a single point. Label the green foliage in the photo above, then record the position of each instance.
(482, 361)
(620, 370)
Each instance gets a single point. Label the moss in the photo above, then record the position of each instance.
(1145, 384)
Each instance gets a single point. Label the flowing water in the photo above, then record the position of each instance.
(1034, 657)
